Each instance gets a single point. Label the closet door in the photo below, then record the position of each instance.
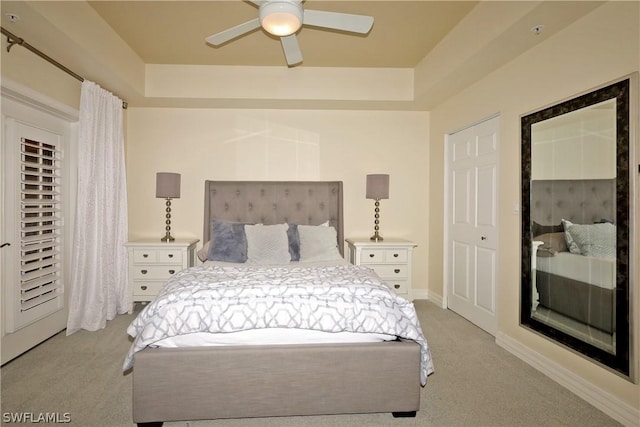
(35, 227)
(472, 223)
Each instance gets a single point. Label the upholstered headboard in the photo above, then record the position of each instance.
(274, 202)
(579, 201)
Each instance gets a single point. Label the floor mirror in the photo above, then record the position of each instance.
(576, 220)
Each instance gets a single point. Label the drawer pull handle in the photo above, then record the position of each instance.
(371, 255)
(144, 288)
(171, 271)
(397, 270)
(145, 255)
(396, 255)
(170, 255)
(396, 286)
(143, 271)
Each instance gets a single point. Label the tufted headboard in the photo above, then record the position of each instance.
(274, 202)
(579, 201)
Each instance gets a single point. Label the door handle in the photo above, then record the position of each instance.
(5, 244)
(483, 237)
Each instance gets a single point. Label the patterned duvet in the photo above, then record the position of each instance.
(222, 299)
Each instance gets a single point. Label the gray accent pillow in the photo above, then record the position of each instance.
(552, 244)
(228, 242)
(294, 242)
(539, 229)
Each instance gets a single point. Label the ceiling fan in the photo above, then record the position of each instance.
(283, 18)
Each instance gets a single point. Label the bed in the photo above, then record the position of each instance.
(574, 249)
(196, 382)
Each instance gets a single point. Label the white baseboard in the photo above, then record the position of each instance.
(425, 294)
(436, 299)
(601, 399)
(419, 294)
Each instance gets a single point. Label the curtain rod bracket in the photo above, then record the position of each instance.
(13, 41)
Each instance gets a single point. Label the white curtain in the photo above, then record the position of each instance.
(99, 289)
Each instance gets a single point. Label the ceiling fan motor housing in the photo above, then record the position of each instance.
(281, 18)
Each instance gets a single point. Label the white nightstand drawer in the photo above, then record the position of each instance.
(164, 256)
(391, 271)
(372, 256)
(399, 286)
(144, 256)
(169, 256)
(147, 288)
(378, 255)
(154, 272)
(396, 255)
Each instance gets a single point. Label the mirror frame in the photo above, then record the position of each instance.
(620, 91)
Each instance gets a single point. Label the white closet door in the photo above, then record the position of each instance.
(35, 226)
(472, 223)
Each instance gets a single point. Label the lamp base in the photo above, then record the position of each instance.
(376, 237)
(167, 237)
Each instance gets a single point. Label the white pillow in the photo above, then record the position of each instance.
(597, 240)
(267, 244)
(318, 243)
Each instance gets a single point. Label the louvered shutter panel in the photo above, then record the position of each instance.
(41, 230)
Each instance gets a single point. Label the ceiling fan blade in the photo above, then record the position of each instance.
(338, 21)
(291, 49)
(232, 33)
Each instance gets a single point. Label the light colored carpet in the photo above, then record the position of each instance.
(476, 383)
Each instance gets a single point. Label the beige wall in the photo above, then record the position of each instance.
(600, 47)
(235, 144)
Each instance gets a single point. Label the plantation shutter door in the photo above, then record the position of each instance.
(40, 289)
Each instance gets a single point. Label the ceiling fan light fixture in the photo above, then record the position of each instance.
(281, 18)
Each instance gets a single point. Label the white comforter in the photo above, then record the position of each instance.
(230, 299)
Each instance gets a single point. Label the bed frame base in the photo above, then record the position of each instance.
(410, 414)
(181, 384)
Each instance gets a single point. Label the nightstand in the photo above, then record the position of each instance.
(389, 258)
(152, 263)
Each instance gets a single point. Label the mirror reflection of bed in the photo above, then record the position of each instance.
(574, 291)
(573, 212)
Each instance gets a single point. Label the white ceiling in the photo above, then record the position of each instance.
(173, 32)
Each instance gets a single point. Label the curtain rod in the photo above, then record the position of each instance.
(12, 39)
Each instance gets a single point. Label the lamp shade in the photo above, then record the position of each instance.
(281, 18)
(377, 186)
(168, 185)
